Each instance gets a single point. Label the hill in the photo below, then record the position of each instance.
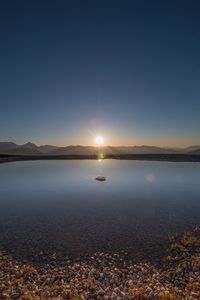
(33, 149)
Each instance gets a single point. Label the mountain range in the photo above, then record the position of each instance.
(32, 149)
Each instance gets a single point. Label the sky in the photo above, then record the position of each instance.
(127, 70)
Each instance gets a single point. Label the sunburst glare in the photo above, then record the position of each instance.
(99, 140)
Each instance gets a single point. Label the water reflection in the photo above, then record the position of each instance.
(59, 204)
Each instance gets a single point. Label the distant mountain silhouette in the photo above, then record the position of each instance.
(12, 148)
(7, 146)
(192, 149)
(47, 148)
(196, 151)
(32, 149)
(141, 150)
(30, 145)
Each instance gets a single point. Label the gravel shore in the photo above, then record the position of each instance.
(108, 276)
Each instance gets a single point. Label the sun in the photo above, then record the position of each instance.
(99, 140)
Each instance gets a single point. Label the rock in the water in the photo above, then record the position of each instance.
(100, 178)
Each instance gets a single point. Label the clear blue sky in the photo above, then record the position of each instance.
(128, 70)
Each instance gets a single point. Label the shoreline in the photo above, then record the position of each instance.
(4, 158)
(102, 278)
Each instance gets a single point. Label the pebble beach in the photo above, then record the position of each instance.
(107, 276)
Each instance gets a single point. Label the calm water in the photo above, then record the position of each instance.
(57, 207)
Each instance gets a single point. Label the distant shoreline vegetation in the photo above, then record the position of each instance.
(148, 157)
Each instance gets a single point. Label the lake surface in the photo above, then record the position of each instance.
(49, 207)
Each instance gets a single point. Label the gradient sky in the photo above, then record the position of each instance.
(128, 70)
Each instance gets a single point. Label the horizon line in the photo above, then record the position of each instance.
(102, 146)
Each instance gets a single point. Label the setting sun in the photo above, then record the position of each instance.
(99, 140)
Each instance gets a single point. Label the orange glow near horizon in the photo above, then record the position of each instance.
(114, 140)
